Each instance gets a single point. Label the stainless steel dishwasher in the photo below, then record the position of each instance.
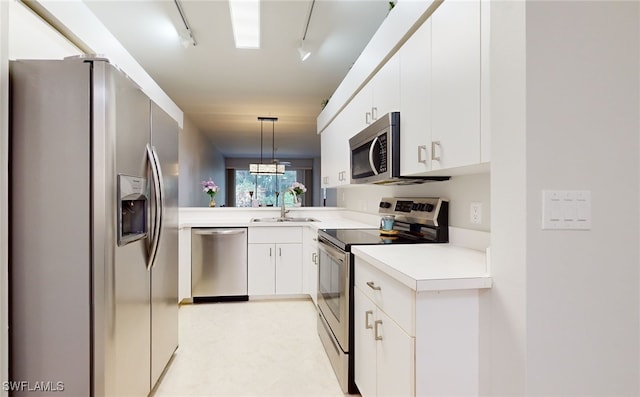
(219, 264)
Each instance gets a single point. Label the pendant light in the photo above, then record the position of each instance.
(272, 168)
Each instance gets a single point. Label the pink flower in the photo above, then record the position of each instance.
(209, 187)
(297, 188)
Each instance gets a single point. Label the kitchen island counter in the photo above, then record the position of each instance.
(429, 267)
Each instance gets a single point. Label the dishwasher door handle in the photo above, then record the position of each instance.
(219, 232)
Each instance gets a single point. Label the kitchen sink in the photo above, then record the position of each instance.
(286, 219)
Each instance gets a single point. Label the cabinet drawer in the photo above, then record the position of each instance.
(394, 298)
(284, 234)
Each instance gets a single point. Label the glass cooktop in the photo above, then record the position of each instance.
(345, 238)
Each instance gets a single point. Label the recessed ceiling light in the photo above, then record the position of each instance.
(245, 20)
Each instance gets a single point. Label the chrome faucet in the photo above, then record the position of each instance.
(283, 210)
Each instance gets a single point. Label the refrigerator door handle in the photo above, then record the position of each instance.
(159, 207)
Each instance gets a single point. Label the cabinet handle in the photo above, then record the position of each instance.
(367, 323)
(314, 257)
(373, 286)
(279, 251)
(376, 328)
(367, 118)
(374, 113)
(435, 144)
(421, 149)
(270, 254)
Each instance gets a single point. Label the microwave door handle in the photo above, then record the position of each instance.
(371, 148)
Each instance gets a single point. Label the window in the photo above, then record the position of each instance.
(264, 187)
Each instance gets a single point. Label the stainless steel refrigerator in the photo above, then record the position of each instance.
(93, 232)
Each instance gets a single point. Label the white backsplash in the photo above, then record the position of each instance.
(461, 191)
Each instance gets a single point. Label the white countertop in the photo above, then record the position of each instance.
(328, 217)
(429, 267)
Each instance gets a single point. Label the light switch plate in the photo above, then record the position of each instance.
(566, 210)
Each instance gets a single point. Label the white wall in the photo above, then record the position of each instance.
(460, 190)
(582, 287)
(502, 309)
(77, 18)
(199, 161)
(32, 38)
(564, 309)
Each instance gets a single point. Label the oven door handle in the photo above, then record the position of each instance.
(332, 252)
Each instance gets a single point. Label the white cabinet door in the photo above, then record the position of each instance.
(335, 152)
(455, 83)
(415, 102)
(288, 270)
(327, 156)
(358, 111)
(379, 96)
(394, 358)
(261, 269)
(385, 87)
(310, 263)
(364, 344)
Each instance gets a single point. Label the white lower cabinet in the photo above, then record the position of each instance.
(310, 263)
(413, 343)
(275, 261)
(261, 269)
(384, 362)
(288, 269)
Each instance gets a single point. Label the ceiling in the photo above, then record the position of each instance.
(223, 90)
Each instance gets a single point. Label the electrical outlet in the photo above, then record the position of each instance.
(476, 213)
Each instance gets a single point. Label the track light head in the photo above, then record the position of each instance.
(304, 55)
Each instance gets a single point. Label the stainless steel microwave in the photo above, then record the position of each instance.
(375, 154)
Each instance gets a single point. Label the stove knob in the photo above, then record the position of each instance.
(385, 204)
(415, 207)
(429, 207)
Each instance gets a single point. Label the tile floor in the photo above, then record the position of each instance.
(256, 348)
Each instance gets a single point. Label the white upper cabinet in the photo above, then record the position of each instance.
(455, 84)
(437, 81)
(335, 152)
(379, 96)
(385, 87)
(415, 102)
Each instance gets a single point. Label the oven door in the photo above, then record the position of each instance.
(333, 290)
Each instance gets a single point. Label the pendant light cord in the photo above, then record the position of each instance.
(261, 122)
(304, 36)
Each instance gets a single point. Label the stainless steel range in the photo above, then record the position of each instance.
(415, 221)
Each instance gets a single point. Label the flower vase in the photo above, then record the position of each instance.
(296, 201)
(212, 202)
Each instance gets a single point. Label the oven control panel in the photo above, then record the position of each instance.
(430, 211)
